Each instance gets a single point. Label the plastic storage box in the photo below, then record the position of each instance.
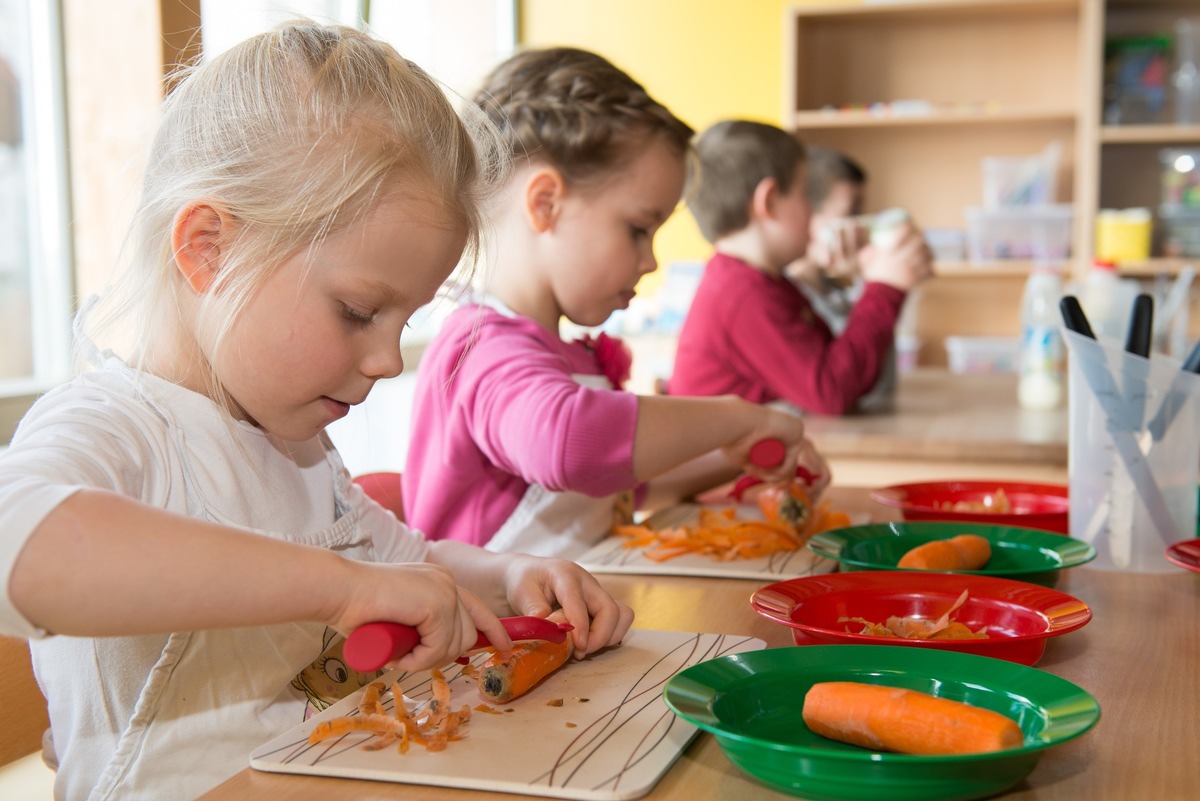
(1021, 180)
(983, 354)
(1180, 231)
(1036, 233)
(1180, 177)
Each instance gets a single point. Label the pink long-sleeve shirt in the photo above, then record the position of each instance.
(756, 336)
(496, 410)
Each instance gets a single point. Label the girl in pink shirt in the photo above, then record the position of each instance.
(524, 441)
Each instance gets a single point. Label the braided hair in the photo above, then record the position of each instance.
(576, 111)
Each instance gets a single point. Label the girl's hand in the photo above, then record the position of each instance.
(536, 585)
(447, 617)
(788, 428)
(903, 262)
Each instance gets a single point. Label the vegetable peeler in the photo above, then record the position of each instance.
(768, 453)
(372, 645)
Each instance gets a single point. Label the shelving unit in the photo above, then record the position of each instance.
(920, 91)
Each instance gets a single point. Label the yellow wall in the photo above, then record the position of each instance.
(706, 60)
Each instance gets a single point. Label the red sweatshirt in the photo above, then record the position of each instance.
(756, 336)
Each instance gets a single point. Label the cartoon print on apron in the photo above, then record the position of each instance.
(178, 691)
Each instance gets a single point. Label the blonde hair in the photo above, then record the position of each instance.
(575, 111)
(297, 134)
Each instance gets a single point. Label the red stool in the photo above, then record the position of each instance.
(384, 489)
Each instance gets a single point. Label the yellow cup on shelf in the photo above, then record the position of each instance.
(1123, 235)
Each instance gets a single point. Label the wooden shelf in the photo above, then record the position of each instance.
(1150, 134)
(972, 114)
(992, 269)
(909, 9)
(1153, 267)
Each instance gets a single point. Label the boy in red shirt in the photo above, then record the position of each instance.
(750, 331)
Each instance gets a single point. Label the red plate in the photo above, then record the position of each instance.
(1020, 617)
(1186, 554)
(1043, 506)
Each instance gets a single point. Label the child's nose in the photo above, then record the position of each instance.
(383, 361)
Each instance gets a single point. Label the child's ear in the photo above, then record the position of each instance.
(196, 238)
(544, 193)
(762, 202)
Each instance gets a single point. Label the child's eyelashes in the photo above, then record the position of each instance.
(638, 232)
(356, 316)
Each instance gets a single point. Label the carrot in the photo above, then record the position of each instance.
(787, 503)
(509, 674)
(906, 721)
(964, 552)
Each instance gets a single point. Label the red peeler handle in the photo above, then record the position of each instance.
(767, 453)
(372, 645)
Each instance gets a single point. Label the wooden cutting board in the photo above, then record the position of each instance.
(611, 556)
(613, 736)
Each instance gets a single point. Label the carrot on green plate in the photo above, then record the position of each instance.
(964, 552)
(905, 721)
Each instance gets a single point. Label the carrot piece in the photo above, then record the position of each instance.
(906, 721)
(964, 552)
(788, 503)
(509, 674)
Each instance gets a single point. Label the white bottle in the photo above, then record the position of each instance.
(1041, 364)
(1101, 291)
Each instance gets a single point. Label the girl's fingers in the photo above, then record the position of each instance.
(481, 620)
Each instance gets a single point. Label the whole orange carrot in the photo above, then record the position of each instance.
(509, 674)
(906, 721)
(964, 552)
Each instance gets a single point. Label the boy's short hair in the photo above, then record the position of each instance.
(827, 167)
(735, 155)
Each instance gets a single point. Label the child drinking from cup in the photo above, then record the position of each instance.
(750, 331)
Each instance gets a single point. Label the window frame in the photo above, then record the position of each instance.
(51, 283)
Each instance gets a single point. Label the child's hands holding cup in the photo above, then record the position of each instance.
(898, 254)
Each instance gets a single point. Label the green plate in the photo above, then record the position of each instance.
(1024, 554)
(752, 703)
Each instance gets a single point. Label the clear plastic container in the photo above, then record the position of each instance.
(1132, 461)
(1185, 80)
(1041, 233)
(1021, 180)
(982, 354)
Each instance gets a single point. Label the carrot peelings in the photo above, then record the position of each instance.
(905, 721)
(964, 552)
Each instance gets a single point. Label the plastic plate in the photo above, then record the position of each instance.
(1043, 506)
(1019, 617)
(1185, 554)
(1023, 554)
(752, 704)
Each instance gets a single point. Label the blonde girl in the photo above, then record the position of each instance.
(178, 532)
(523, 441)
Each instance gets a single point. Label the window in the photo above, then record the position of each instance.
(456, 41)
(35, 276)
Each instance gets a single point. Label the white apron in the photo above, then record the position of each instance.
(562, 524)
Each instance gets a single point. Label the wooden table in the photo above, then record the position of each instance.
(1140, 658)
(946, 426)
